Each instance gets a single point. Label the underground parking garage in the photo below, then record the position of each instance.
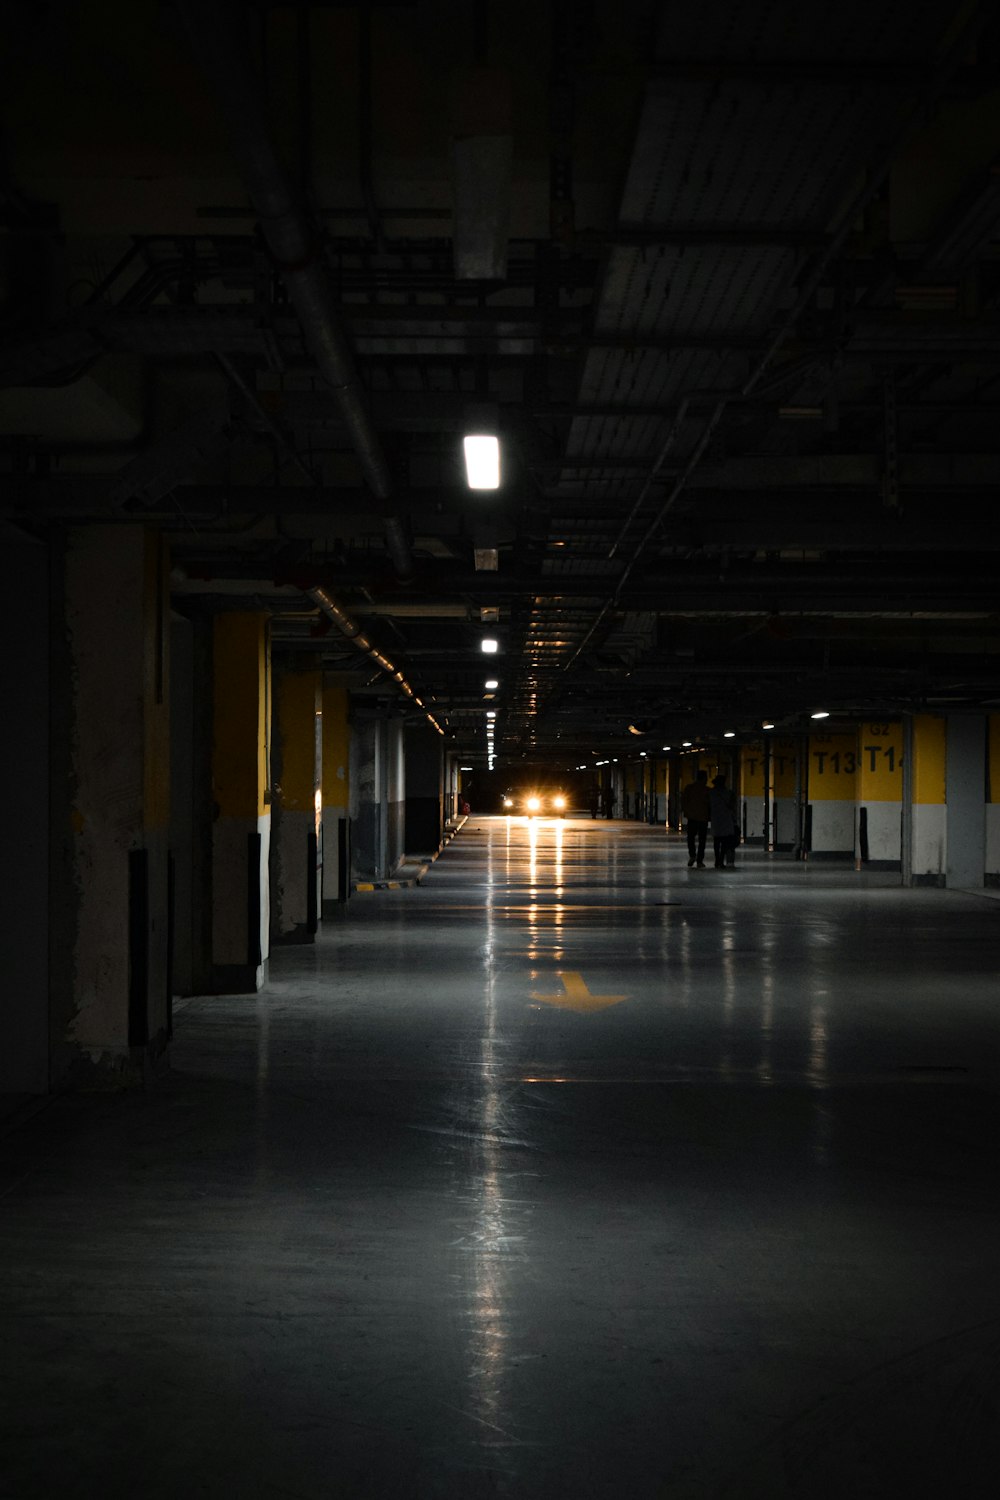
(411, 413)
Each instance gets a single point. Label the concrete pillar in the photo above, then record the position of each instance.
(182, 803)
(965, 785)
(241, 796)
(24, 828)
(927, 842)
(110, 896)
(453, 795)
(395, 794)
(784, 751)
(992, 859)
(336, 786)
(831, 782)
(368, 841)
(424, 788)
(880, 795)
(752, 792)
(295, 801)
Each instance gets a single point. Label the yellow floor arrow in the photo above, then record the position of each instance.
(576, 995)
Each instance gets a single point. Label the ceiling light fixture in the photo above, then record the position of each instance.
(489, 645)
(729, 734)
(767, 724)
(491, 684)
(821, 713)
(482, 461)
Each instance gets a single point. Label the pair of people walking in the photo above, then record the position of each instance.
(702, 805)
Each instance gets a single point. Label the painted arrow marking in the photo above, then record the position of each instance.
(576, 996)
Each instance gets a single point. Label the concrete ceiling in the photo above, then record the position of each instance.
(729, 275)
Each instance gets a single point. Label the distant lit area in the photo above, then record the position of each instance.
(536, 804)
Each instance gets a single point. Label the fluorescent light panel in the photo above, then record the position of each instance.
(482, 461)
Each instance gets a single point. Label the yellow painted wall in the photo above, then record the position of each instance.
(783, 756)
(880, 761)
(297, 700)
(336, 745)
(752, 769)
(240, 708)
(833, 767)
(928, 758)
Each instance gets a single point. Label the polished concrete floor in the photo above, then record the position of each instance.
(572, 1172)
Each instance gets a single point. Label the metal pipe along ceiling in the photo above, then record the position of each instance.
(218, 36)
(352, 630)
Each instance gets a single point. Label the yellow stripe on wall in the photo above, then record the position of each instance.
(298, 697)
(833, 767)
(928, 758)
(239, 736)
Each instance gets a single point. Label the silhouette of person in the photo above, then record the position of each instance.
(725, 830)
(696, 807)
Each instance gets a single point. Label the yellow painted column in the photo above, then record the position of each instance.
(928, 813)
(752, 790)
(110, 1005)
(880, 793)
(336, 795)
(992, 870)
(832, 786)
(296, 802)
(784, 755)
(241, 795)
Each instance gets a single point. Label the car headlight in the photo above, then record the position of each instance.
(508, 802)
(533, 804)
(559, 802)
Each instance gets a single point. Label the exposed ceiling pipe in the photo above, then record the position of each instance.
(218, 36)
(352, 630)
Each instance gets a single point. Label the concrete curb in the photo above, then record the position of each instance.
(403, 883)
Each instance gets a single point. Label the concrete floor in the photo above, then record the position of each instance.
(432, 1217)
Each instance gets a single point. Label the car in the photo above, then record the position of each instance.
(536, 802)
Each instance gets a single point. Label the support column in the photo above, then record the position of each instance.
(424, 788)
(965, 785)
(24, 828)
(880, 795)
(110, 965)
(295, 801)
(928, 812)
(831, 792)
(785, 813)
(241, 794)
(395, 794)
(752, 792)
(992, 875)
(368, 833)
(336, 787)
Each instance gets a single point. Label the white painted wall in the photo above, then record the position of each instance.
(884, 830)
(753, 809)
(785, 824)
(833, 828)
(993, 838)
(929, 835)
(230, 945)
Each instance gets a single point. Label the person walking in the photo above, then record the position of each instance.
(725, 830)
(696, 808)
